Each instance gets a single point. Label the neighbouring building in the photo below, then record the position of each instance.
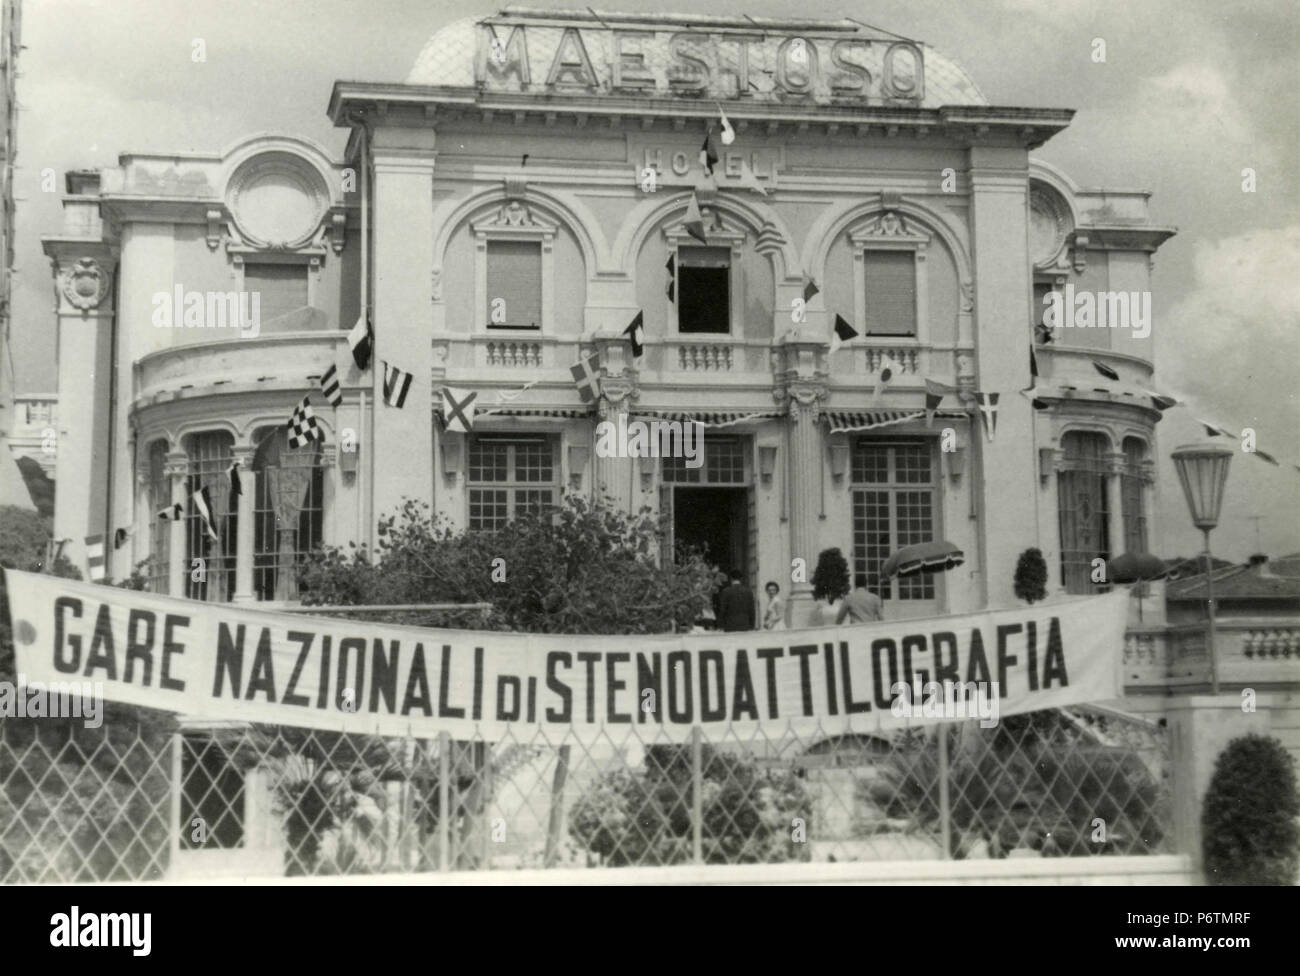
(508, 210)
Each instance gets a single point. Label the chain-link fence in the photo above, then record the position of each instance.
(128, 803)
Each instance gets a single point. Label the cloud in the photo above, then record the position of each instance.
(1199, 92)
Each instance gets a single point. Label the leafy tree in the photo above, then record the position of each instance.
(1249, 815)
(1031, 576)
(831, 577)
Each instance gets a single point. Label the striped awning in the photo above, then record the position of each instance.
(523, 413)
(845, 420)
(709, 418)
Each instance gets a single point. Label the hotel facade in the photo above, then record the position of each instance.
(508, 210)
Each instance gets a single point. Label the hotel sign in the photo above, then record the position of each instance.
(713, 63)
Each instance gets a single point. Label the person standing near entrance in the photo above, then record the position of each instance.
(861, 606)
(736, 605)
(774, 614)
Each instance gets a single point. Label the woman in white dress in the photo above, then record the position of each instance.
(774, 614)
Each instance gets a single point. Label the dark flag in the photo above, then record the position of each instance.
(842, 333)
(672, 277)
(635, 333)
(362, 340)
(1105, 370)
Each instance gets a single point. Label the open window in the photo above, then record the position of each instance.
(704, 290)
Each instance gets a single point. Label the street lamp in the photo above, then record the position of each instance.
(1203, 471)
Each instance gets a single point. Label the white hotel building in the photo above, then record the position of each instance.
(516, 172)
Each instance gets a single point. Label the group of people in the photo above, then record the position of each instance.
(736, 609)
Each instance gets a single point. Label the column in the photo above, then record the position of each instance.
(612, 477)
(178, 466)
(1115, 502)
(1006, 467)
(802, 386)
(401, 449)
(245, 533)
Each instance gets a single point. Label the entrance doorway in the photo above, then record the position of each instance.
(715, 521)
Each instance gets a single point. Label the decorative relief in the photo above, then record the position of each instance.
(278, 199)
(1050, 223)
(85, 284)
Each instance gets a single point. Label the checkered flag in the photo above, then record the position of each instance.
(302, 425)
(329, 385)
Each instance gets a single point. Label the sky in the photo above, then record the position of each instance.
(1190, 94)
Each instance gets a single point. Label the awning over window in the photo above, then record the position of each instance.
(521, 413)
(706, 417)
(850, 421)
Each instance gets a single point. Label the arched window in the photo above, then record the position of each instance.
(211, 539)
(287, 512)
(1131, 485)
(1084, 511)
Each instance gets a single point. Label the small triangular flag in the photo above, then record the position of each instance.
(672, 277)
(842, 333)
(709, 151)
(748, 180)
(202, 505)
(888, 371)
(1267, 457)
(809, 289)
(235, 487)
(1105, 370)
(121, 535)
(173, 512)
(635, 333)
(934, 394)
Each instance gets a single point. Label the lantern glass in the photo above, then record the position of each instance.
(1203, 472)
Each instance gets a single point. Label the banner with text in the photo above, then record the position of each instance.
(221, 661)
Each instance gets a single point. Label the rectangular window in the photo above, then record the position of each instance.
(1084, 509)
(288, 513)
(514, 285)
(281, 288)
(704, 290)
(510, 476)
(724, 464)
(160, 496)
(210, 563)
(893, 507)
(891, 293)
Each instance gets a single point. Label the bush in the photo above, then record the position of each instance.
(1031, 576)
(831, 577)
(643, 817)
(1248, 821)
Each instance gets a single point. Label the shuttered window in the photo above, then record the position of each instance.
(280, 288)
(514, 285)
(891, 292)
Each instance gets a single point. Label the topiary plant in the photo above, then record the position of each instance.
(831, 577)
(1031, 576)
(1248, 822)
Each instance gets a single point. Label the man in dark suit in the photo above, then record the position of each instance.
(736, 605)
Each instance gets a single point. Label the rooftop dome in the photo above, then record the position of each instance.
(448, 58)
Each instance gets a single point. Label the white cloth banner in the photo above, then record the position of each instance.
(220, 661)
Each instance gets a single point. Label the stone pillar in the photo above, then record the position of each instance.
(245, 534)
(1200, 726)
(801, 384)
(613, 476)
(178, 466)
(1115, 502)
(401, 446)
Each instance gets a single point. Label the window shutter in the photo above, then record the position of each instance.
(514, 274)
(281, 288)
(891, 292)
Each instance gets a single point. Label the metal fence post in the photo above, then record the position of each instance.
(697, 797)
(444, 800)
(175, 805)
(945, 808)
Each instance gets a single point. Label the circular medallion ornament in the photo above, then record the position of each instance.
(1050, 223)
(277, 200)
(85, 284)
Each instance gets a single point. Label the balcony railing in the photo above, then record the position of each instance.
(1252, 651)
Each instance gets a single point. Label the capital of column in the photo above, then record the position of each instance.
(618, 393)
(177, 464)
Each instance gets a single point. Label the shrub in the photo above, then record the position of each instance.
(1031, 576)
(831, 577)
(1248, 821)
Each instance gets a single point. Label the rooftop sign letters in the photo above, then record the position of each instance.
(823, 66)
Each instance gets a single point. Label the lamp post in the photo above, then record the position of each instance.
(1203, 472)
